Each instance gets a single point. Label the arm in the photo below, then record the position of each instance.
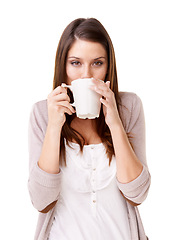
(43, 187)
(136, 189)
(44, 148)
(128, 165)
(133, 178)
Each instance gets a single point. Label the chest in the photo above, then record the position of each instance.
(88, 171)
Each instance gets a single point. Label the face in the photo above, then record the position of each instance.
(86, 59)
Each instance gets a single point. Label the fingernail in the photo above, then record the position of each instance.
(108, 83)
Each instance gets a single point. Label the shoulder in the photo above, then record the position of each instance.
(130, 106)
(129, 99)
(40, 107)
(39, 114)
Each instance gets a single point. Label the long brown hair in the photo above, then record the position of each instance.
(89, 29)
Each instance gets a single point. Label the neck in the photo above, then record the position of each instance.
(86, 127)
(84, 123)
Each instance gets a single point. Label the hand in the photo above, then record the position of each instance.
(109, 103)
(58, 104)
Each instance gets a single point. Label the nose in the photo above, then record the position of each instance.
(87, 72)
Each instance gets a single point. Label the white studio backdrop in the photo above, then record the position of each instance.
(141, 32)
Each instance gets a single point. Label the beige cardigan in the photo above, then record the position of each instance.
(44, 188)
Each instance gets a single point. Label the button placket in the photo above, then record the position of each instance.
(93, 182)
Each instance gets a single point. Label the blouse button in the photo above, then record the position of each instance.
(94, 201)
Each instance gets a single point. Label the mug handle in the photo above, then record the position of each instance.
(65, 85)
(70, 87)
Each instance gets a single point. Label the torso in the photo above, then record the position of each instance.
(90, 205)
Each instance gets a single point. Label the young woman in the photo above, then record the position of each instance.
(87, 176)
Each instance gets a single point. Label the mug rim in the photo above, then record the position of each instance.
(81, 79)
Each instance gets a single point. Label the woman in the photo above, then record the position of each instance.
(93, 195)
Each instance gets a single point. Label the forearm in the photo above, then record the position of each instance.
(128, 165)
(44, 188)
(49, 158)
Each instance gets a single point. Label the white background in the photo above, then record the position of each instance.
(141, 32)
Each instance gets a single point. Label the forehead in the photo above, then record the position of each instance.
(83, 48)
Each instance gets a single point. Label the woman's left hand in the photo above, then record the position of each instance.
(109, 103)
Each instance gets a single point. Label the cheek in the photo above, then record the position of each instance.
(101, 74)
(72, 73)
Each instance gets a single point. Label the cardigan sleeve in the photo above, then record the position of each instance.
(136, 191)
(44, 188)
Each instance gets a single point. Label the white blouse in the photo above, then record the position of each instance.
(90, 205)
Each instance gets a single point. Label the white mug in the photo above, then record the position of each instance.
(86, 101)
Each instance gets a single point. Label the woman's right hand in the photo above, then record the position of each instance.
(58, 104)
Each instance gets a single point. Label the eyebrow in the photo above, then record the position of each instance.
(79, 58)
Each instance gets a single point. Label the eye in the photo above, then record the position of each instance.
(98, 63)
(75, 63)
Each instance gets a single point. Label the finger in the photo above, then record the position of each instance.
(58, 90)
(68, 111)
(104, 102)
(104, 86)
(101, 90)
(66, 105)
(61, 110)
(101, 84)
(96, 81)
(61, 97)
(108, 83)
